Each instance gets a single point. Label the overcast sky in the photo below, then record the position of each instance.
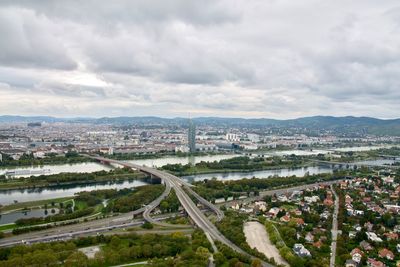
(233, 58)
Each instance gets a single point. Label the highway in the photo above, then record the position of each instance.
(70, 231)
(125, 220)
(169, 180)
(181, 189)
(190, 207)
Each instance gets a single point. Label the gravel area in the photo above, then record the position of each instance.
(257, 237)
(90, 252)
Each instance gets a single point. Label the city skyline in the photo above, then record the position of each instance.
(264, 59)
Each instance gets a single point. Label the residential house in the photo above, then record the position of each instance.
(385, 253)
(285, 218)
(366, 246)
(309, 237)
(317, 244)
(391, 236)
(312, 199)
(273, 212)
(373, 237)
(356, 255)
(328, 202)
(301, 251)
(351, 263)
(368, 226)
(375, 263)
(299, 221)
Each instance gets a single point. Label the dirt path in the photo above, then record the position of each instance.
(257, 237)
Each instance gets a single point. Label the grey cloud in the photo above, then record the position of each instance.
(29, 40)
(265, 58)
(127, 11)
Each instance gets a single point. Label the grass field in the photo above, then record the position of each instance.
(7, 226)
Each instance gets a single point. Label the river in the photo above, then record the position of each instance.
(8, 196)
(158, 162)
(94, 166)
(23, 195)
(13, 216)
(260, 174)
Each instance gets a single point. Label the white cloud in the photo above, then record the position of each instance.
(275, 58)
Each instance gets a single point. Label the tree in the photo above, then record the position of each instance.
(147, 251)
(256, 263)
(147, 225)
(202, 253)
(115, 242)
(76, 259)
(219, 259)
(43, 258)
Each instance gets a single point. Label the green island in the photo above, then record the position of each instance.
(117, 174)
(237, 164)
(51, 159)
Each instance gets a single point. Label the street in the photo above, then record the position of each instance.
(334, 229)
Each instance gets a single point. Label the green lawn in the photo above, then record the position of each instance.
(288, 207)
(80, 205)
(7, 226)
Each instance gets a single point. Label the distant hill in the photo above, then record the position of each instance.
(336, 124)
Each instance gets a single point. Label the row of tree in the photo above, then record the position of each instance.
(164, 250)
(213, 189)
(54, 218)
(68, 178)
(142, 195)
(237, 163)
(29, 159)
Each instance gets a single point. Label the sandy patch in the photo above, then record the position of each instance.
(257, 237)
(90, 252)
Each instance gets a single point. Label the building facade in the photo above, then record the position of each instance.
(192, 137)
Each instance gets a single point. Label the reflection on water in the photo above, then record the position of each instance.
(361, 148)
(181, 160)
(260, 174)
(8, 196)
(94, 166)
(13, 216)
(377, 162)
(23, 195)
(55, 169)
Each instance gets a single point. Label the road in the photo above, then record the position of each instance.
(279, 191)
(190, 207)
(334, 229)
(70, 231)
(125, 220)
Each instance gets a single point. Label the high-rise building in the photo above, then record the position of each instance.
(192, 137)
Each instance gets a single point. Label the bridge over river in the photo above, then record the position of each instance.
(179, 186)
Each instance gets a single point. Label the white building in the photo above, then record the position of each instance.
(373, 237)
(301, 251)
(231, 137)
(183, 149)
